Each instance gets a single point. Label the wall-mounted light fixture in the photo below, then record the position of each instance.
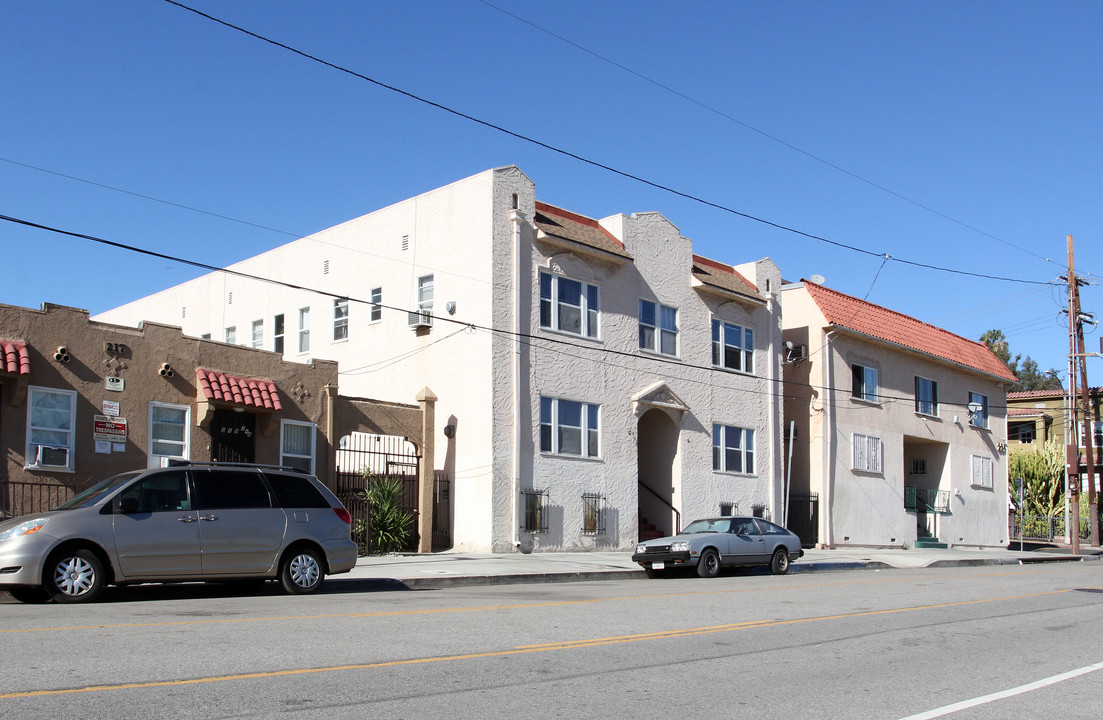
(449, 431)
(62, 354)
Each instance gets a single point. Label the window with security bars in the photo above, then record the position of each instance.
(727, 509)
(983, 471)
(760, 511)
(535, 518)
(867, 453)
(593, 514)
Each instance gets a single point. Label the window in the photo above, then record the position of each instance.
(258, 334)
(340, 319)
(658, 328)
(295, 492)
(425, 294)
(297, 445)
(867, 453)
(919, 467)
(376, 304)
(978, 419)
(231, 334)
(1023, 432)
(50, 436)
(593, 515)
(926, 396)
(304, 330)
(535, 520)
(568, 427)
(732, 346)
(732, 449)
(982, 471)
(865, 383)
(568, 306)
(277, 333)
(168, 432)
(230, 490)
(205, 336)
(161, 492)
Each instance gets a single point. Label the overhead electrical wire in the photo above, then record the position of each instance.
(546, 343)
(594, 163)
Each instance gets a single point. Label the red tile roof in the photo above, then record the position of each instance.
(859, 316)
(577, 228)
(251, 392)
(724, 277)
(1024, 412)
(14, 358)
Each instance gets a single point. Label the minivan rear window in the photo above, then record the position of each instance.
(295, 492)
(230, 489)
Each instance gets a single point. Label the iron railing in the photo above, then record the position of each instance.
(23, 498)
(927, 500)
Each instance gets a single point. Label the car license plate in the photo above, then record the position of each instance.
(658, 565)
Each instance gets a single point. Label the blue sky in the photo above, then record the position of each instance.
(958, 134)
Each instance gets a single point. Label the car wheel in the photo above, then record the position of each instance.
(74, 576)
(301, 571)
(709, 564)
(28, 594)
(779, 563)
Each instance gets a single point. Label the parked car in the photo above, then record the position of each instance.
(713, 543)
(185, 522)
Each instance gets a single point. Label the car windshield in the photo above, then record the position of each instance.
(99, 491)
(707, 526)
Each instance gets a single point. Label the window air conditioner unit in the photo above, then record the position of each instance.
(419, 319)
(49, 456)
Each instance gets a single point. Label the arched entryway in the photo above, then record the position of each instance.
(656, 450)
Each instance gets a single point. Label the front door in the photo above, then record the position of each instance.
(233, 437)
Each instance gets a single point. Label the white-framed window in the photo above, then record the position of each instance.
(732, 449)
(864, 385)
(866, 453)
(231, 334)
(297, 445)
(425, 291)
(169, 432)
(983, 471)
(376, 304)
(979, 419)
(340, 319)
(277, 333)
(257, 339)
(51, 417)
(926, 396)
(568, 427)
(732, 346)
(658, 328)
(569, 306)
(304, 330)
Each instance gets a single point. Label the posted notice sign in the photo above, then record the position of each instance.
(105, 427)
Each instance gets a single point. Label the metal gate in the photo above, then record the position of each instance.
(804, 517)
(24, 498)
(363, 457)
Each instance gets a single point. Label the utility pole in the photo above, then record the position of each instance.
(1078, 382)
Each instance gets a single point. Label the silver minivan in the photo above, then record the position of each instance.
(189, 521)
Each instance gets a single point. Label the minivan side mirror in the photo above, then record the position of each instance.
(126, 505)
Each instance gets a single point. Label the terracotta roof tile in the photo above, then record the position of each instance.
(724, 277)
(875, 321)
(14, 358)
(577, 228)
(1024, 412)
(250, 392)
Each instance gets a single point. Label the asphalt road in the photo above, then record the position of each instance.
(855, 644)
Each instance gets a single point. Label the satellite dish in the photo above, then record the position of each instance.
(818, 279)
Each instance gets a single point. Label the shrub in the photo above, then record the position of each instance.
(389, 525)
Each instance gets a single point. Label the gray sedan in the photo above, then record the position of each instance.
(713, 543)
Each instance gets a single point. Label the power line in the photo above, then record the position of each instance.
(763, 133)
(545, 343)
(594, 163)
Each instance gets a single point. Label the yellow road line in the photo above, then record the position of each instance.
(520, 650)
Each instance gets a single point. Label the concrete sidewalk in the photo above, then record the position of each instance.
(452, 569)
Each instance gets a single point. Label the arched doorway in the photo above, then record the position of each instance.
(656, 450)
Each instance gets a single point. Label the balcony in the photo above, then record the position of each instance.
(925, 500)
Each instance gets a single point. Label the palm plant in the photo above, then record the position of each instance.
(389, 525)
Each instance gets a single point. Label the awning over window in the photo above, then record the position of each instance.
(14, 358)
(250, 392)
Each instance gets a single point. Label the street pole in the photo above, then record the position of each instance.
(1086, 408)
(1072, 456)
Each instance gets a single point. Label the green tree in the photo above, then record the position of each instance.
(1026, 369)
(1043, 473)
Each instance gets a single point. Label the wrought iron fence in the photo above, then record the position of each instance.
(917, 499)
(1042, 527)
(24, 498)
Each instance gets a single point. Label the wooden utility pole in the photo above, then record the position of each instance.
(1078, 382)
(1072, 454)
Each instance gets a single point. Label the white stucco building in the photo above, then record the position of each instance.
(900, 426)
(595, 378)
